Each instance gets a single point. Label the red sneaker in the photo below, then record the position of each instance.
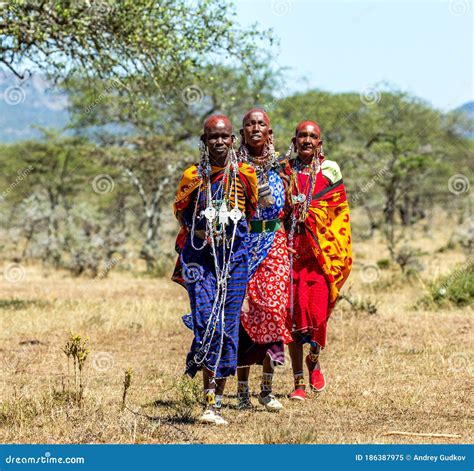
(316, 377)
(317, 381)
(298, 394)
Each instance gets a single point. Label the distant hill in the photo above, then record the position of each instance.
(28, 104)
(468, 110)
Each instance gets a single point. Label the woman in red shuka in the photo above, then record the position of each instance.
(319, 239)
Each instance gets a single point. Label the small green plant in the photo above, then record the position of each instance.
(383, 264)
(456, 289)
(188, 393)
(76, 348)
(126, 385)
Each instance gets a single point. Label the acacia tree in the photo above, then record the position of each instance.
(109, 39)
(137, 64)
(55, 170)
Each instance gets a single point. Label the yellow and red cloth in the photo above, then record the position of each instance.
(328, 235)
(247, 192)
(247, 198)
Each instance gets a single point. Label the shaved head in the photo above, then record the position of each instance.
(256, 110)
(216, 119)
(303, 124)
(307, 141)
(218, 138)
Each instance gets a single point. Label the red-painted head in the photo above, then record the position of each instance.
(256, 130)
(218, 137)
(307, 141)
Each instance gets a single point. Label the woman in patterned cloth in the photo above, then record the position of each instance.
(319, 236)
(262, 331)
(213, 203)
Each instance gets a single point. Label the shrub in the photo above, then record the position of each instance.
(383, 264)
(455, 289)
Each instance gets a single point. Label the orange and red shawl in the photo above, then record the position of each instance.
(248, 183)
(329, 233)
(247, 198)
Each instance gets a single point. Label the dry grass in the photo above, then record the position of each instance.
(397, 370)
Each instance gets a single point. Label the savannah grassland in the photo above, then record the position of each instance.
(399, 369)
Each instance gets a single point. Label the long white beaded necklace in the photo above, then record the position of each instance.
(217, 218)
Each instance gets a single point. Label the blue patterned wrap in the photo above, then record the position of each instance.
(259, 244)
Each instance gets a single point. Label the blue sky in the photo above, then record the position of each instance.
(423, 47)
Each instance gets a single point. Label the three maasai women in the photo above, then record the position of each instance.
(213, 202)
(263, 332)
(319, 237)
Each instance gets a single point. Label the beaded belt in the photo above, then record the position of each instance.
(269, 225)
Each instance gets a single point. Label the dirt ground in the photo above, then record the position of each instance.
(396, 370)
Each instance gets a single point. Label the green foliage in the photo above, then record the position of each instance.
(159, 42)
(455, 289)
(187, 397)
(383, 263)
(396, 153)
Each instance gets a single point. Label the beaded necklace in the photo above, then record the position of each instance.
(217, 218)
(301, 202)
(262, 165)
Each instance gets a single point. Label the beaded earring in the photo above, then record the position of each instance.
(204, 166)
